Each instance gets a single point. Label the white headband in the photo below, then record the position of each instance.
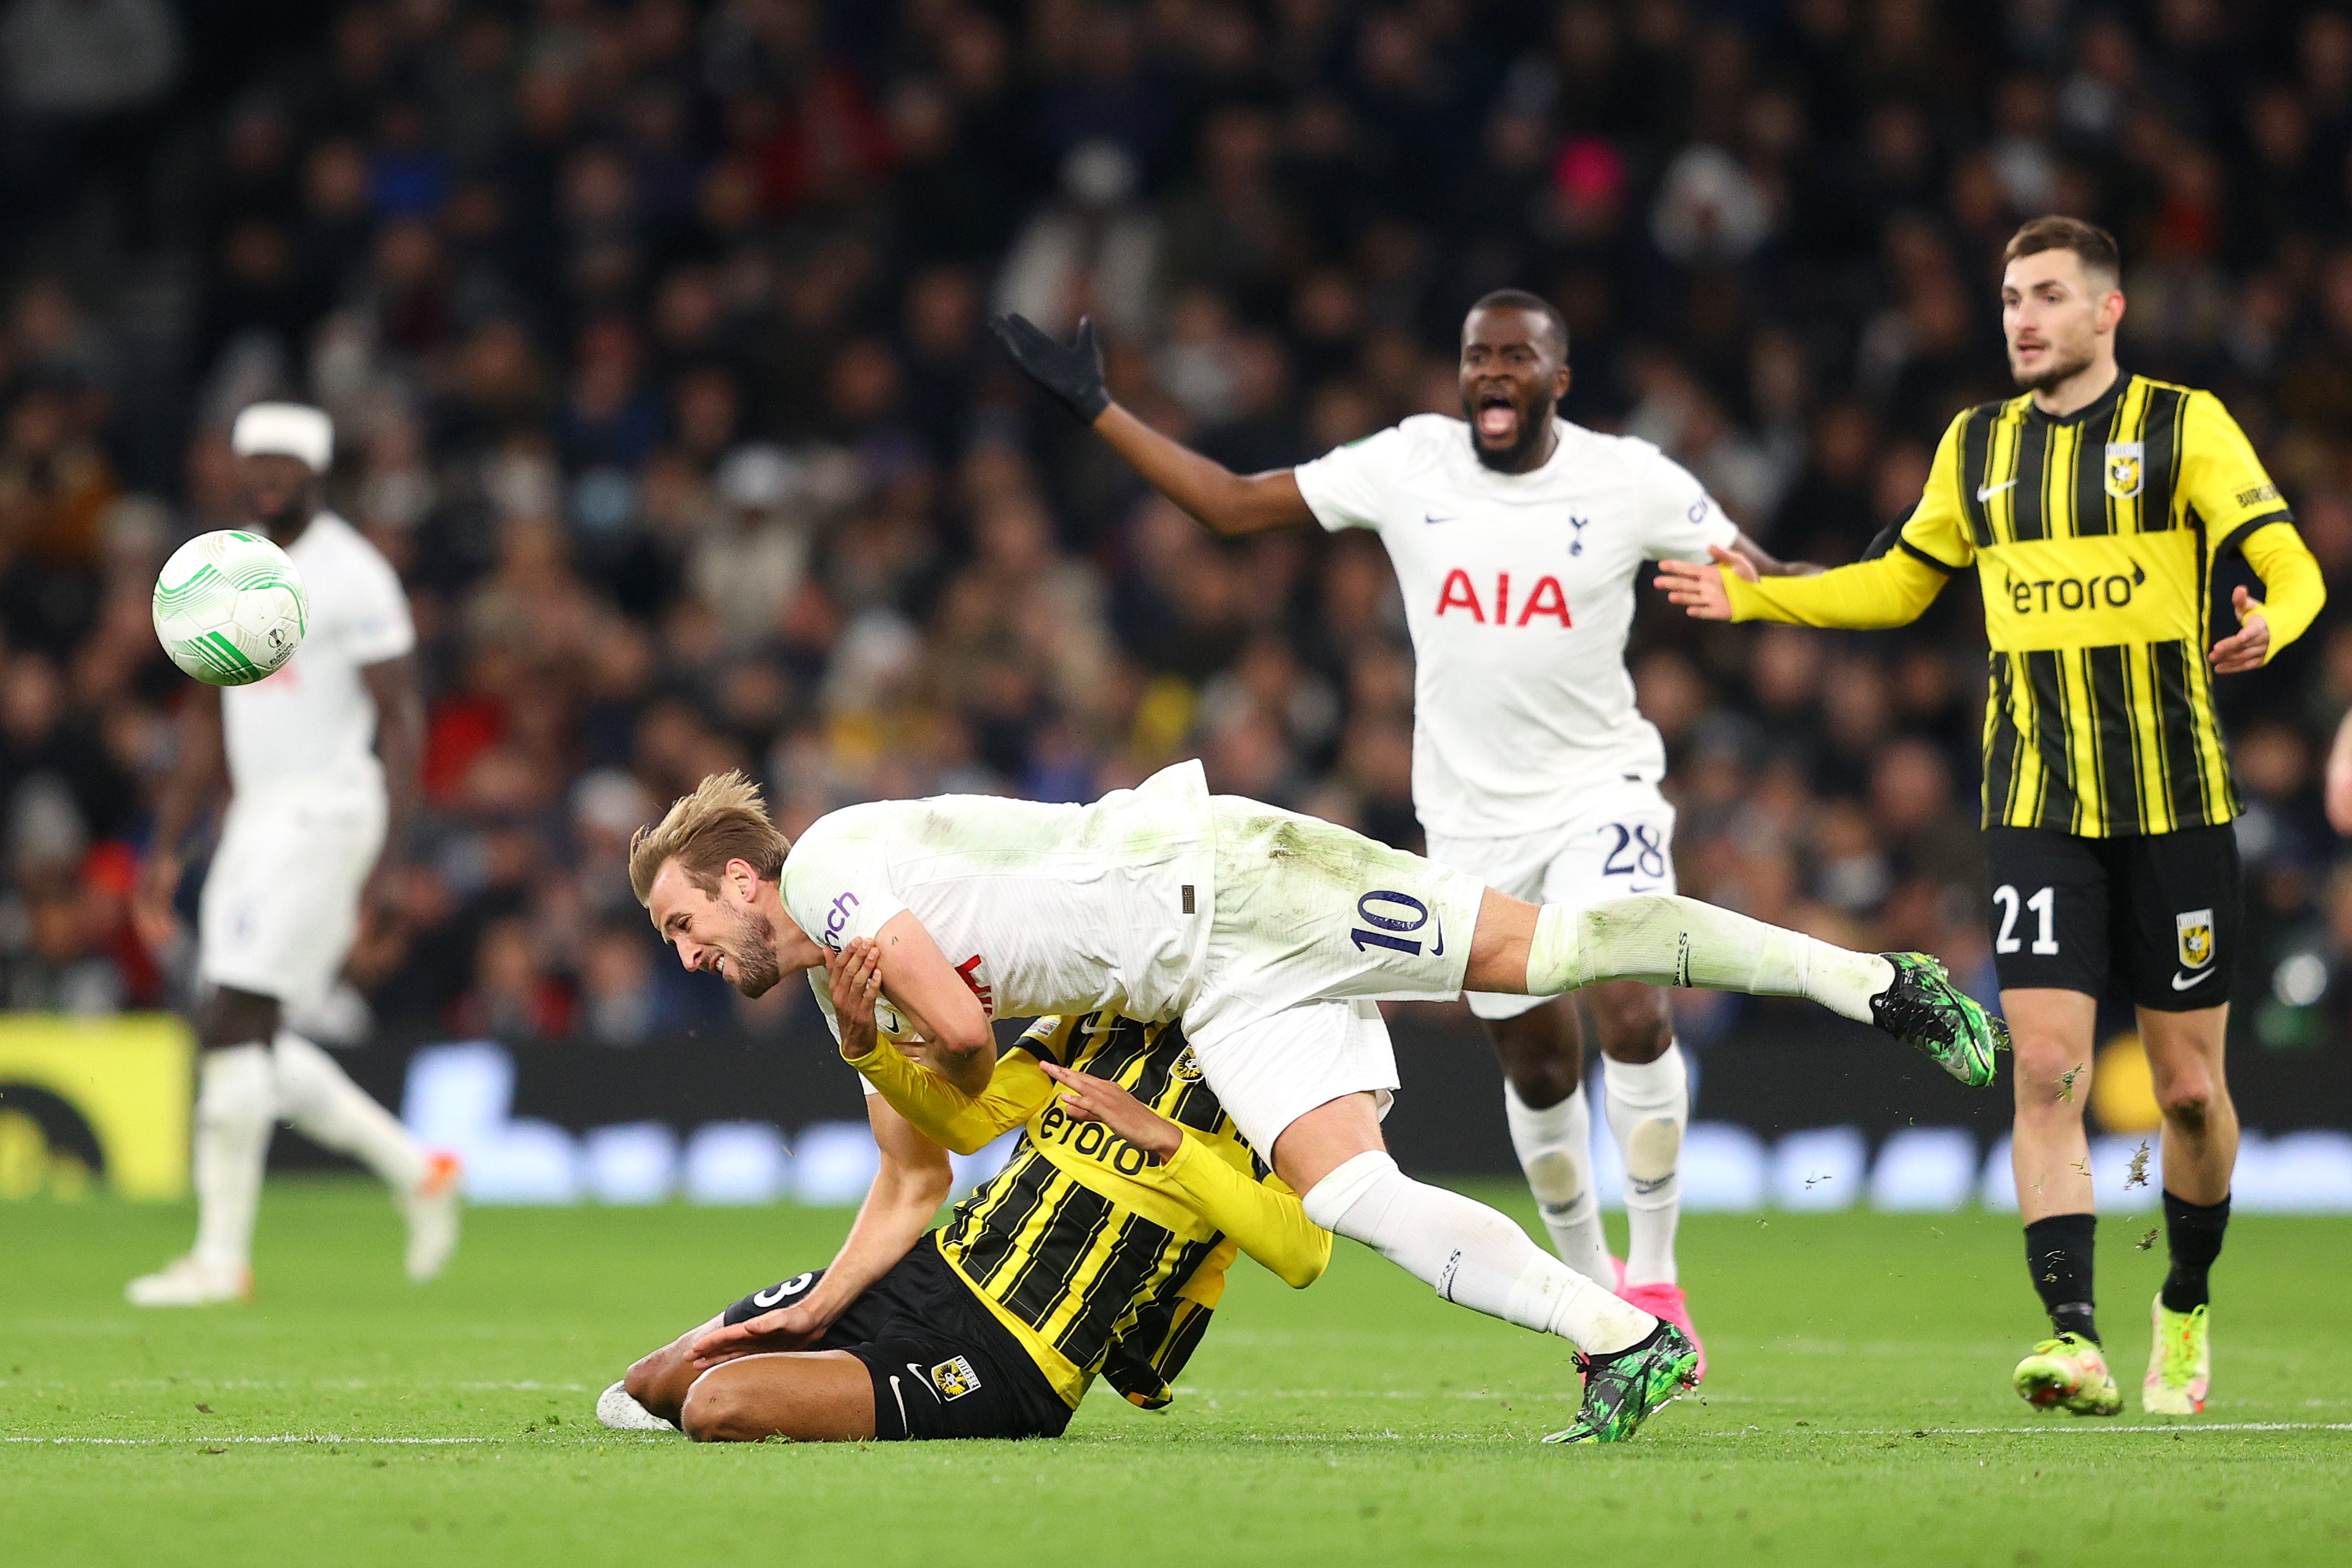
(286, 430)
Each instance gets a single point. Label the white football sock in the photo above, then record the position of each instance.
(1555, 1149)
(235, 1103)
(1471, 1255)
(1661, 939)
(319, 1099)
(1649, 1106)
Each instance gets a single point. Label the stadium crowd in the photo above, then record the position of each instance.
(654, 336)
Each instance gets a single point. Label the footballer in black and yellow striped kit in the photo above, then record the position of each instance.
(2095, 534)
(2095, 508)
(1084, 1257)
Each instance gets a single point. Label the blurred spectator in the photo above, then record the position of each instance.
(656, 336)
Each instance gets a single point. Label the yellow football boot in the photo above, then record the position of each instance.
(2069, 1374)
(2179, 1363)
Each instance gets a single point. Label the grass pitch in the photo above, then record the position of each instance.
(1857, 1412)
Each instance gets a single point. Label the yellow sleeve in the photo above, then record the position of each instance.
(2292, 589)
(944, 1113)
(1890, 591)
(2222, 479)
(1266, 1219)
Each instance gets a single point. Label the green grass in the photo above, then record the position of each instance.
(1858, 1411)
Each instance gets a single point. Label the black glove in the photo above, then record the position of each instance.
(1072, 372)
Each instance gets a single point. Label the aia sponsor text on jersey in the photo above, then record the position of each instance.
(1546, 602)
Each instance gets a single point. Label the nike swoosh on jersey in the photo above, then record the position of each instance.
(1426, 517)
(1986, 492)
(2183, 981)
(922, 1381)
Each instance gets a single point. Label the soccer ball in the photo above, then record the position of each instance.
(230, 608)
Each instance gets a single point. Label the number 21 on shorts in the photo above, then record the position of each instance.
(2043, 905)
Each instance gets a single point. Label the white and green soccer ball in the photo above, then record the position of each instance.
(230, 607)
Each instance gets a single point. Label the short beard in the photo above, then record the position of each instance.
(1513, 458)
(750, 954)
(2063, 370)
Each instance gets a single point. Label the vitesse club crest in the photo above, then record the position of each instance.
(2195, 928)
(2127, 468)
(1185, 1068)
(954, 1379)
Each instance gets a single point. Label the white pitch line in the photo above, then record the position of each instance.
(281, 1437)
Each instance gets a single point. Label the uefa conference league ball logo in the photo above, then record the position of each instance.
(230, 608)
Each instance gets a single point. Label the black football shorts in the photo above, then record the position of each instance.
(943, 1365)
(2152, 916)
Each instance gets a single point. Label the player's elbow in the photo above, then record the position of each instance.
(1300, 1272)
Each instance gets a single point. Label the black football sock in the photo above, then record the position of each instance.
(2193, 1234)
(2058, 1250)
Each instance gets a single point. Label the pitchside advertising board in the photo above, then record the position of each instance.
(1796, 1113)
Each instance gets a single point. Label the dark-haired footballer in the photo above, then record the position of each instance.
(1099, 1250)
(1517, 539)
(2094, 507)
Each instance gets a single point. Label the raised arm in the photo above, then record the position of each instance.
(199, 773)
(1072, 373)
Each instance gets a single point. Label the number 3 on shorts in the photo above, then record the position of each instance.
(1392, 919)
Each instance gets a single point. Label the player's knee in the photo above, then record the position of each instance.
(1638, 1032)
(717, 1410)
(2187, 1103)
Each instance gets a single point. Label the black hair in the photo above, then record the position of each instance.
(1534, 304)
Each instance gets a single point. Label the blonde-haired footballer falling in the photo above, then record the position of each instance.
(1270, 935)
(312, 805)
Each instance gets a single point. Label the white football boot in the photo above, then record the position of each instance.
(617, 1408)
(185, 1282)
(431, 1210)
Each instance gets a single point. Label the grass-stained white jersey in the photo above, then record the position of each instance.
(1042, 908)
(312, 724)
(1518, 590)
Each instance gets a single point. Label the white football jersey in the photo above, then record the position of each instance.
(312, 724)
(1042, 908)
(1519, 589)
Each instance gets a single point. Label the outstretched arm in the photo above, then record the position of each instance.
(1265, 1219)
(1890, 591)
(1227, 502)
(910, 1185)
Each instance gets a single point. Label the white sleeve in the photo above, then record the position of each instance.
(1354, 486)
(1679, 519)
(836, 891)
(374, 612)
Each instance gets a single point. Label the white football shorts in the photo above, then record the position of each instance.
(1622, 844)
(1310, 912)
(1268, 1072)
(281, 903)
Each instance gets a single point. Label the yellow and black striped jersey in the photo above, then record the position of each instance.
(2094, 536)
(1100, 1257)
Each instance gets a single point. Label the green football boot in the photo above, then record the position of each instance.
(2068, 1373)
(1622, 1390)
(2179, 1363)
(1926, 1012)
